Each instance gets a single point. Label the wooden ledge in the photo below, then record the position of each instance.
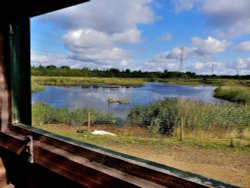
(91, 165)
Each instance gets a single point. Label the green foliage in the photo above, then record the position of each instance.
(72, 81)
(43, 113)
(111, 100)
(155, 126)
(52, 70)
(233, 93)
(36, 88)
(162, 114)
(121, 100)
(195, 116)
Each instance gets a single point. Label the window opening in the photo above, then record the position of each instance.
(134, 77)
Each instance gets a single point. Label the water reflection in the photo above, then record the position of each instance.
(96, 97)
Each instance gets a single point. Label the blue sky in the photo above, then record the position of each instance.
(146, 35)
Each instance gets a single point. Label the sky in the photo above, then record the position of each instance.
(211, 36)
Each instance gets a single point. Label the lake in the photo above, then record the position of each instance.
(96, 97)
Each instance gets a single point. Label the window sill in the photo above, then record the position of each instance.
(96, 166)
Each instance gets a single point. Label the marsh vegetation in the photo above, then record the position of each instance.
(175, 131)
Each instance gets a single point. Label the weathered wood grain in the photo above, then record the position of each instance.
(19, 41)
(5, 114)
(69, 152)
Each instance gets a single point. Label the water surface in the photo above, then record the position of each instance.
(96, 97)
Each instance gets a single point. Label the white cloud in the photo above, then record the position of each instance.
(224, 12)
(166, 37)
(89, 45)
(183, 5)
(197, 58)
(130, 36)
(200, 49)
(55, 59)
(241, 64)
(110, 57)
(101, 60)
(243, 47)
(109, 16)
(90, 38)
(229, 18)
(95, 31)
(87, 38)
(210, 45)
(207, 67)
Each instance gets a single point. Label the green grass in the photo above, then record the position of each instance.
(45, 114)
(208, 81)
(196, 118)
(133, 136)
(111, 100)
(121, 100)
(72, 81)
(36, 87)
(238, 94)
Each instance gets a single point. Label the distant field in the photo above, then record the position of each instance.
(238, 94)
(69, 81)
(208, 81)
(36, 87)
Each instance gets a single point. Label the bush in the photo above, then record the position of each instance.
(233, 93)
(165, 115)
(43, 113)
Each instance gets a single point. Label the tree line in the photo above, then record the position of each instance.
(52, 70)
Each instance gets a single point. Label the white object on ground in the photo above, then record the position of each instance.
(100, 132)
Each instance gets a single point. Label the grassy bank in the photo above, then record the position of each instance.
(45, 114)
(162, 118)
(36, 87)
(220, 160)
(194, 118)
(139, 136)
(72, 81)
(206, 81)
(234, 93)
(215, 137)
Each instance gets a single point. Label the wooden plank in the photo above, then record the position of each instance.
(5, 114)
(146, 170)
(39, 7)
(12, 142)
(23, 174)
(19, 44)
(78, 169)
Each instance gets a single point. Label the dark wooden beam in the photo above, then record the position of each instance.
(5, 109)
(86, 160)
(19, 47)
(39, 7)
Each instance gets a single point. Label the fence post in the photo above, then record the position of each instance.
(181, 129)
(89, 121)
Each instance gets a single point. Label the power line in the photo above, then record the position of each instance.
(47, 34)
(181, 60)
(47, 52)
(45, 42)
(213, 66)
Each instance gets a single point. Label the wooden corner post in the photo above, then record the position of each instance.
(5, 109)
(19, 39)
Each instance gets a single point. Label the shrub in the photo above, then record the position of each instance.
(45, 114)
(165, 115)
(163, 112)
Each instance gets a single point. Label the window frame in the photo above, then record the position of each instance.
(92, 165)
